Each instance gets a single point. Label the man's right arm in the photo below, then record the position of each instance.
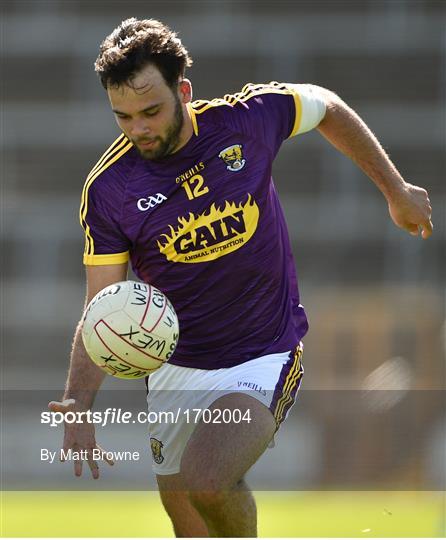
(84, 377)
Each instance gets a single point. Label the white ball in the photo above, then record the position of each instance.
(130, 329)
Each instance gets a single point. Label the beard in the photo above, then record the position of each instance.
(166, 145)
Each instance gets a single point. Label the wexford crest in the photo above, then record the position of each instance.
(156, 446)
(233, 157)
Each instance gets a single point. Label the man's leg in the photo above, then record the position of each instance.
(228, 513)
(215, 461)
(186, 520)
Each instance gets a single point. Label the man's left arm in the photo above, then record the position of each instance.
(409, 205)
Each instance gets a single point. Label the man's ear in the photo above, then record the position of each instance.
(185, 91)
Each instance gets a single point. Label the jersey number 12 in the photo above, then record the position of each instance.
(195, 187)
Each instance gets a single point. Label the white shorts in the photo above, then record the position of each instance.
(177, 397)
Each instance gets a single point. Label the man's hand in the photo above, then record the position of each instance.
(78, 437)
(410, 209)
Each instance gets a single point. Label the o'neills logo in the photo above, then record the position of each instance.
(212, 234)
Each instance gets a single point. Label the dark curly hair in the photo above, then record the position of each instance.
(137, 43)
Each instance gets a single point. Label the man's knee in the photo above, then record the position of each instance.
(214, 499)
(184, 515)
(208, 501)
(176, 501)
(210, 480)
(171, 491)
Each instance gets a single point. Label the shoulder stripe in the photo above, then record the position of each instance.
(107, 153)
(116, 150)
(191, 112)
(249, 91)
(111, 150)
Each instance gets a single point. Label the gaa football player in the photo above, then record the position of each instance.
(185, 195)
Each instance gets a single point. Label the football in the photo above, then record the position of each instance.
(130, 329)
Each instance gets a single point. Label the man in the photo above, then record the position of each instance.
(186, 194)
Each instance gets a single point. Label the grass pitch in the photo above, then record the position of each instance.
(285, 514)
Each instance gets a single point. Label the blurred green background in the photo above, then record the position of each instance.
(316, 514)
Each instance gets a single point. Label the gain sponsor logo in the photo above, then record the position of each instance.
(150, 201)
(210, 235)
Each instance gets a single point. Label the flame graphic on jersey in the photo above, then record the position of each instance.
(211, 235)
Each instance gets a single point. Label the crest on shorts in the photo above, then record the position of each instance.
(156, 446)
(233, 157)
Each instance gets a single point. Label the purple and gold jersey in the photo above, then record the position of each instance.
(205, 226)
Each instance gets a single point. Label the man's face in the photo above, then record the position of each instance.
(149, 113)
